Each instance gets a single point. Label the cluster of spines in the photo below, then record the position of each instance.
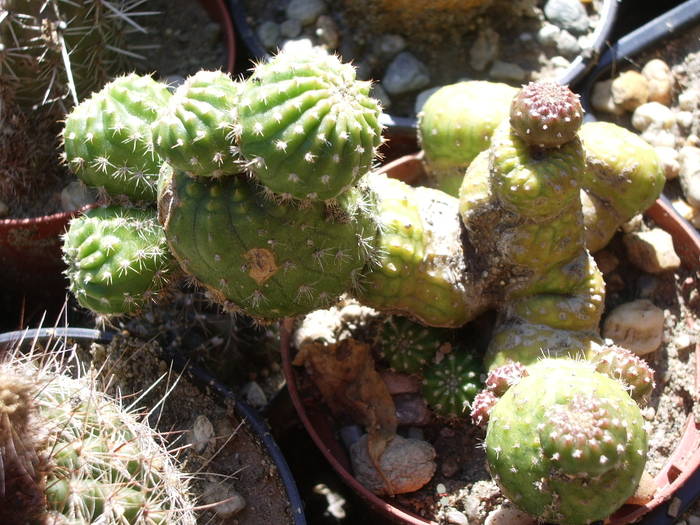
(498, 381)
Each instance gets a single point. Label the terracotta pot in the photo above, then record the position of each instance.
(683, 463)
(30, 249)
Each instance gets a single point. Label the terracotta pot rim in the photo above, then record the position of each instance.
(61, 216)
(680, 466)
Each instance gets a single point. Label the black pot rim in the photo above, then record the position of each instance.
(203, 379)
(406, 126)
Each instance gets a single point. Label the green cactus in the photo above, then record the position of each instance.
(456, 124)
(621, 364)
(117, 259)
(623, 177)
(108, 140)
(266, 258)
(72, 454)
(566, 444)
(196, 132)
(450, 385)
(58, 51)
(308, 129)
(422, 270)
(410, 347)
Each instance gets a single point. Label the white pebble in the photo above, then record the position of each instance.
(637, 326)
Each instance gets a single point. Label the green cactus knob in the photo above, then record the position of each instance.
(408, 346)
(566, 444)
(450, 385)
(266, 258)
(308, 128)
(456, 124)
(546, 114)
(196, 132)
(108, 141)
(623, 177)
(117, 259)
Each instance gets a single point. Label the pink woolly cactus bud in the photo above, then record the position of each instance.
(546, 114)
(502, 378)
(481, 407)
(623, 365)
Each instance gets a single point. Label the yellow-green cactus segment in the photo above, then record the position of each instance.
(117, 259)
(108, 141)
(266, 258)
(534, 183)
(570, 297)
(566, 444)
(105, 465)
(600, 220)
(308, 128)
(196, 131)
(621, 168)
(456, 124)
(421, 268)
(526, 343)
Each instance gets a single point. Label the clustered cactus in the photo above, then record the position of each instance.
(264, 199)
(72, 454)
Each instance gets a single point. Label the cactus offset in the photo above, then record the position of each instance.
(197, 130)
(456, 124)
(621, 364)
(450, 385)
(108, 141)
(409, 347)
(117, 259)
(308, 129)
(266, 258)
(566, 444)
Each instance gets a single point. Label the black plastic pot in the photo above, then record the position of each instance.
(204, 381)
(402, 130)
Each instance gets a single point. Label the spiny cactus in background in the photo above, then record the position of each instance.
(72, 454)
(566, 444)
(450, 385)
(308, 128)
(196, 132)
(409, 347)
(58, 51)
(422, 271)
(117, 259)
(456, 124)
(266, 258)
(623, 177)
(108, 140)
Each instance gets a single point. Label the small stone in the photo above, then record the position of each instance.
(652, 251)
(290, 28)
(634, 224)
(484, 50)
(350, 434)
(74, 196)
(202, 432)
(689, 99)
(602, 99)
(660, 80)
(423, 97)
(507, 71)
(660, 137)
(297, 45)
(685, 119)
(381, 95)
(687, 212)
(669, 161)
(405, 74)
(652, 115)
(389, 45)
(630, 90)
(398, 383)
(327, 31)
(224, 500)
(689, 158)
(412, 410)
(407, 464)
(5, 209)
(547, 35)
(254, 395)
(637, 326)
(567, 14)
(559, 62)
(567, 44)
(268, 33)
(306, 11)
(506, 515)
(456, 517)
